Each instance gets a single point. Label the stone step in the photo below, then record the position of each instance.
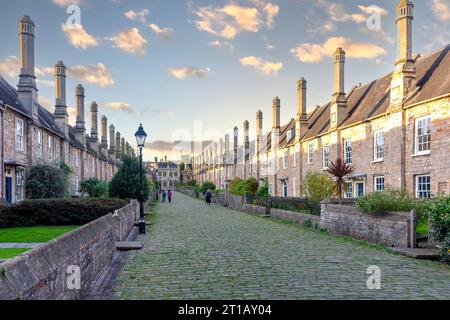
(417, 253)
(128, 245)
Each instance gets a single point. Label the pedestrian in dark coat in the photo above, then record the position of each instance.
(169, 196)
(164, 195)
(208, 197)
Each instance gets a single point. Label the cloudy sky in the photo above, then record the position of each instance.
(192, 70)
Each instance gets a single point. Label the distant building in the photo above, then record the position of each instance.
(166, 172)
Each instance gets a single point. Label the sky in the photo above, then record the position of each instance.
(193, 70)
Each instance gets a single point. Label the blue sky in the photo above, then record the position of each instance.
(168, 63)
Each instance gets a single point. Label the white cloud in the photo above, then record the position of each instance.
(66, 3)
(130, 41)
(166, 33)
(140, 16)
(222, 44)
(266, 67)
(188, 72)
(313, 53)
(441, 8)
(121, 106)
(96, 74)
(47, 103)
(9, 67)
(78, 37)
(229, 20)
(271, 10)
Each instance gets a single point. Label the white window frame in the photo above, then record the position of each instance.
(377, 183)
(57, 152)
(76, 159)
(19, 185)
(326, 157)
(19, 135)
(378, 149)
(285, 189)
(349, 192)
(310, 152)
(51, 147)
(348, 151)
(288, 136)
(76, 182)
(417, 144)
(417, 183)
(296, 150)
(40, 142)
(294, 187)
(285, 160)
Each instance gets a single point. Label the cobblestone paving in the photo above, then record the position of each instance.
(197, 252)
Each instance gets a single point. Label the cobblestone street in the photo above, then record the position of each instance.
(197, 252)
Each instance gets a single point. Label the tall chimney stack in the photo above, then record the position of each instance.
(276, 113)
(235, 144)
(27, 90)
(246, 140)
(122, 147)
(104, 129)
(404, 79)
(165, 159)
(80, 127)
(259, 131)
(228, 159)
(339, 104)
(301, 126)
(94, 121)
(118, 148)
(61, 115)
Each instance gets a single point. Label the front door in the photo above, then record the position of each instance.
(360, 189)
(9, 189)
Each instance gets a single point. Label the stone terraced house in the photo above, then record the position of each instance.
(31, 135)
(394, 130)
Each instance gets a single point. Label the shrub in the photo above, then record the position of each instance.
(241, 187)
(318, 187)
(95, 188)
(437, 211)
(263, 191)
(126, 182)
(191, 184)
(444, 253)
(57, 212)
(46, 182)
(207, 186)
(389, 200)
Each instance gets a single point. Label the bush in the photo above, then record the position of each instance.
(241, 187)
(207, 186)
(318, 187)
(191, 184)
(444, 253)
(126, 183)
(95, 188)
(390, 200)
(263, 191)
(46, 182)
(57, 212)
(438, 213)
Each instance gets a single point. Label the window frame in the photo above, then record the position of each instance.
(376, 184)
(20, 173)
(285, 160)
(310, 155)
(348, 151)
(418, 192)
(20, 134)
(51, 147)
(376, 146)
(326, 159)
(416, 136)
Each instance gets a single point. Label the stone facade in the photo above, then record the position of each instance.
(32, 135)
(394, 130)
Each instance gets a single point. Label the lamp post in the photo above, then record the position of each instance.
(140, 139)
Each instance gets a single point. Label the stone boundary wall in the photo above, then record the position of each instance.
(393, 229)
(235, 202)
(41, 274)
(258, 210)
(296, 217)
(187, 192)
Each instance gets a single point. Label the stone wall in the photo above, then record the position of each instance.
(41, 274)
(390, 229)
(235, 202)
(296, 217)
(258, 210)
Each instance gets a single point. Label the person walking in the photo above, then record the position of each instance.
(208, 197)
(169, 196)
(164, 195)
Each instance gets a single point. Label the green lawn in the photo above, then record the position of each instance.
(33, 234)
(422, 227)
(11, 253)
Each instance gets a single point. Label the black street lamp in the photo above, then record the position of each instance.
(140, 139)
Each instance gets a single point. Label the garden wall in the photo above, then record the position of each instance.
(235, 202)
(296, 217)
(41, 274)
(258, 210)
(394, 229)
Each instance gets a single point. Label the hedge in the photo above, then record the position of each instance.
(57, 212)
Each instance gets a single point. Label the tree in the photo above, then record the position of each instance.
(318, 187)
(263, 191)
(182, 166)
(95, 188)
(339, 170)
(46, 182)
(126, 182)
(207, 186)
